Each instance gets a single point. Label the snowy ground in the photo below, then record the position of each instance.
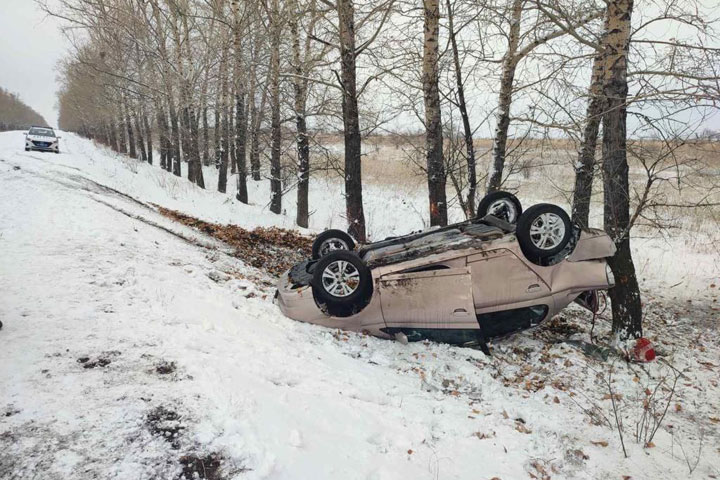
(128, 352)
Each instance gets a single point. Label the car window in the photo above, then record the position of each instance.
(467, 337)
(497, 324)
(44, 132)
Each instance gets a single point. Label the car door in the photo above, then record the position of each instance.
(499, 277)
(430, 299)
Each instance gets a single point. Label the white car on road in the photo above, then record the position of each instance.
(42, 139)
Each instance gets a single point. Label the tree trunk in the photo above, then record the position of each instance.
(256, 118)
(165, 160)
(231, 126)
(122, 138)
(206, 137)
(140, 138)
(351, 122)
(585, 168)
(217, 134)
(148, 137)
(495, 176)
(275, 136)
(175, 145)
(185, 139)
(433, 120)
(240, 119)
(222, 111)
(113, 135)
(462, 106)
(195, 145)
(303, 146)
(625, 296)
(130, 134)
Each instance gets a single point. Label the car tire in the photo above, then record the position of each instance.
(503, 205)
(331, 241)
(543, 231)
(342, 281)
(27, 149)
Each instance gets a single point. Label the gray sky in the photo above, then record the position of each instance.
(30, 46)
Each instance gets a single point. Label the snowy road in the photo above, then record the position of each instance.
(128, 351)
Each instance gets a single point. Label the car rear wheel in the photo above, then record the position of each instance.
(341, 279)
(331, 241)
(543, 230)
(502, 205)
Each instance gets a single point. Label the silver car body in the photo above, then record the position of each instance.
(459, 280)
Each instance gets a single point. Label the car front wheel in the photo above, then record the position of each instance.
(543, 230)
(502, 205)
(342, 282)
(331, 241)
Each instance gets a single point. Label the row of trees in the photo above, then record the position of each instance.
(225, 80)
(15, 114)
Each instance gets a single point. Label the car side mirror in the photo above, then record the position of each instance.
(25, 133)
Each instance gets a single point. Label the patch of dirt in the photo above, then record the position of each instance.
(166, 423)
(165, 368)
(559, 325)
(195, 467)
(10, 411)
(273, 250)
(102, 360)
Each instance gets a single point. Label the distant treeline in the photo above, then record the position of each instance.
(15, 115)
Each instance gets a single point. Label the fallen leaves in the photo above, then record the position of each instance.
(273, 250)
(599, 443)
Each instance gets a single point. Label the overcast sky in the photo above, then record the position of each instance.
(30, 46)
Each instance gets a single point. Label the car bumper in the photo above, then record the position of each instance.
(298, 303)
(39, 148)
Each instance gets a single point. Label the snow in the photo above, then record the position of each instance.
(87, 277)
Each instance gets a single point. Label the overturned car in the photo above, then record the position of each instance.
(502, 272)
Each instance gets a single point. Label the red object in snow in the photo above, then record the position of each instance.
(643, 350)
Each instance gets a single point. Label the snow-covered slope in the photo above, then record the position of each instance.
(127, 351)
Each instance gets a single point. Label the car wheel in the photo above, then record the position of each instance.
(342, 279)
(543, 230)
(503, 205)
(331, 241)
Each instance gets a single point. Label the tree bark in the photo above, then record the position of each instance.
(495, 176)
(585, 167)
(148, 136)
(113, 135)
(303, 146)
(128, 126)
(256, 118)
(351, 122)
(206, 137)
(165, 159)
(221, 115)
(240, 119)
(140, 138)
(433, 120)
(122, 138)
(467, 130)
(175, 144)
(275, 136)
(625, 296)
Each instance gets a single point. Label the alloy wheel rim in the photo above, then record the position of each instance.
(547, 231)
(331, 245)
(503, 209)
(340, 278)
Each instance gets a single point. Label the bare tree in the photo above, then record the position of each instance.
(433, 121)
